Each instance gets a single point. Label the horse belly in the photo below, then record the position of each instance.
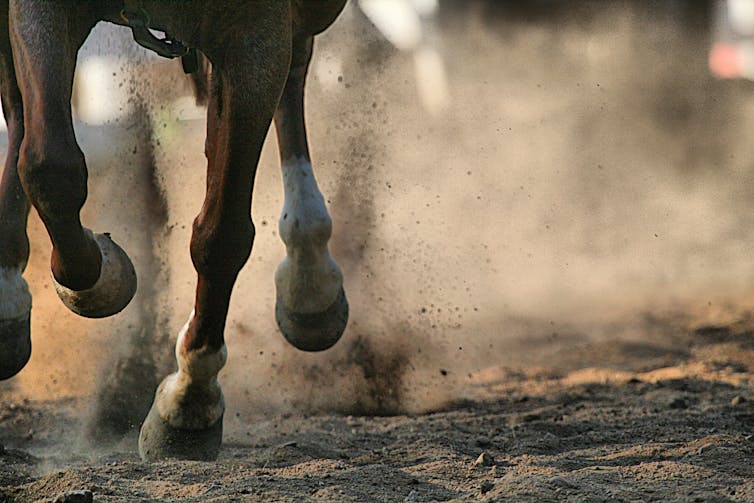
(316, 15)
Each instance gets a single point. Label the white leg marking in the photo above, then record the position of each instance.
(308, 280)
(191, 398)
(15, 299)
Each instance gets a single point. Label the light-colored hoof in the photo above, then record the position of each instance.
(15, 346)
(113, 290)
(158, 440)
(314, 331)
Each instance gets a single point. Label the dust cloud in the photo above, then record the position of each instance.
(590, 181)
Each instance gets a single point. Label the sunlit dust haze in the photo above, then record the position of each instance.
(587, 175)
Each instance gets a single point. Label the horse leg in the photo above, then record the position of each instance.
(186, 418)
(92, 275)
(15, 299)
(311, 308)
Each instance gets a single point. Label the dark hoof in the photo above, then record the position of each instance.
(314, 331)
(15, 346)
(158, 440)
(113, 290)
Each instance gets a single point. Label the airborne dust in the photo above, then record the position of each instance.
(589, 181)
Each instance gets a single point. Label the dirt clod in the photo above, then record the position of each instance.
(737, 400)
(678, 403)
(484, 459)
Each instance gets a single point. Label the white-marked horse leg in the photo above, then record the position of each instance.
(311, 308)
(249, 70)
(186, 418)
(51, 166)
(15, 299)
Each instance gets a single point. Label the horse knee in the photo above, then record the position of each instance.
(54, 179)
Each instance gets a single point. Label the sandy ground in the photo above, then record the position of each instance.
(555, 275)
(668, 426)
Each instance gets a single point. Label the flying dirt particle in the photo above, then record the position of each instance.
(738, 400)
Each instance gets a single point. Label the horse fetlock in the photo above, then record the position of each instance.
(200, 365)
(83, 266)
(305, 226)
(54, 180)
(113, 290)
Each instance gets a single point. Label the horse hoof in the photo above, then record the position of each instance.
(15, 346)
(113, 290)
(158, 440)
(314, 331)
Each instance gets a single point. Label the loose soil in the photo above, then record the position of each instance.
(649, 425)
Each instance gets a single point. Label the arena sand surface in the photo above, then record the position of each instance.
(669, 426)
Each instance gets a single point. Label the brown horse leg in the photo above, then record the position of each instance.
(186, 417)
(15, 299)
(311, 308)
(93, 276)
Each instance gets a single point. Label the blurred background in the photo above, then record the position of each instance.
(539, 183)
